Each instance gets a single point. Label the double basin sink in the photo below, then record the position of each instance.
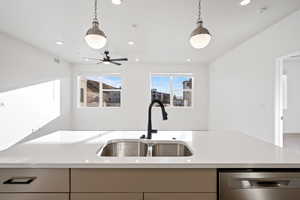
(144, 148)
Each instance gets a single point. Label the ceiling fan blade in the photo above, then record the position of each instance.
(119, 59)
(115, 63)
(91, 58)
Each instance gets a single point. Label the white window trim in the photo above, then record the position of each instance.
(172, 75)
(77, 77)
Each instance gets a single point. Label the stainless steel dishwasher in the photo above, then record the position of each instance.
(259, 185)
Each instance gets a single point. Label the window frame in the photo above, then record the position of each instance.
(97, 74)
(171, 78)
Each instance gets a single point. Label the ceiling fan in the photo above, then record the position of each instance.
(107, 60)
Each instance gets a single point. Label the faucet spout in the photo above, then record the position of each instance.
(150, 131)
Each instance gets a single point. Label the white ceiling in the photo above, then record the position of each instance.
(163, 29)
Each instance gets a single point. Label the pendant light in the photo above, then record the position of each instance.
(95, 37)
(200, 37)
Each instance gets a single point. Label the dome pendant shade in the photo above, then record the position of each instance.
(95, 37)
(200, 37)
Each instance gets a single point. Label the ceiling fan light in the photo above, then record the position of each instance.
(200, 37)
(95, 37)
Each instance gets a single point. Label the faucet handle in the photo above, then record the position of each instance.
(143, 137)
(153, 131)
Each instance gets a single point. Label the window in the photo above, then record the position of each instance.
(100, 91)
(172, 90)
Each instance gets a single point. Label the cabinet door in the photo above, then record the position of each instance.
(180, 196)
(34, 180)
(143, 180)
(107, 196)
(32, 196)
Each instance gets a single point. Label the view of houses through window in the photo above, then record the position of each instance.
(173, 91)
(100, 91)
(105, 91)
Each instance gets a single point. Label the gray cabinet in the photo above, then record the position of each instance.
(107, 196)
(29, 196)
(143, 184)
(143, 180)
(180, 196)
(108, 184)
(34, 180)
(34, 184)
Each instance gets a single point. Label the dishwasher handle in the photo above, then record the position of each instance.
(269, 183)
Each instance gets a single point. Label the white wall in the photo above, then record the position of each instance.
(136, 98)
(22, 65)
(292, 114)
(242, 81)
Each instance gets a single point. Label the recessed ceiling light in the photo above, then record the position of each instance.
(86, 59)
(137, 60)
(189, 60)
(59, 42)
(117, 2)
(245, 2)
(131, 43)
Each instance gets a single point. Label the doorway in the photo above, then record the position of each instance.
(287, 107)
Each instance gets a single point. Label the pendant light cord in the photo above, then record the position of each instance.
(95, 10)
(200, 20)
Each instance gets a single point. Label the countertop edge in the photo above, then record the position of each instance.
(153, 166)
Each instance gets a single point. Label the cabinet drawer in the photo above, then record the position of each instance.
(107, 196)
(34, 180)
(143, 180)
(26, 196)
(180, 196)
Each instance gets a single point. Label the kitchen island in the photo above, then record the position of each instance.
(66, 165)
(78, 149)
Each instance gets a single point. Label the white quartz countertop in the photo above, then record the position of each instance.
(77, 149)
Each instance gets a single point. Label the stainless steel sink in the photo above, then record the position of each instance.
(170, 150)
(124, 148)
(144, 148)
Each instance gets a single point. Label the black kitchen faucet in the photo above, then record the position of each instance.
(150, 131)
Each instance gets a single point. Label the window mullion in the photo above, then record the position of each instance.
(171, 91)
(85, 94)
(100, 94)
